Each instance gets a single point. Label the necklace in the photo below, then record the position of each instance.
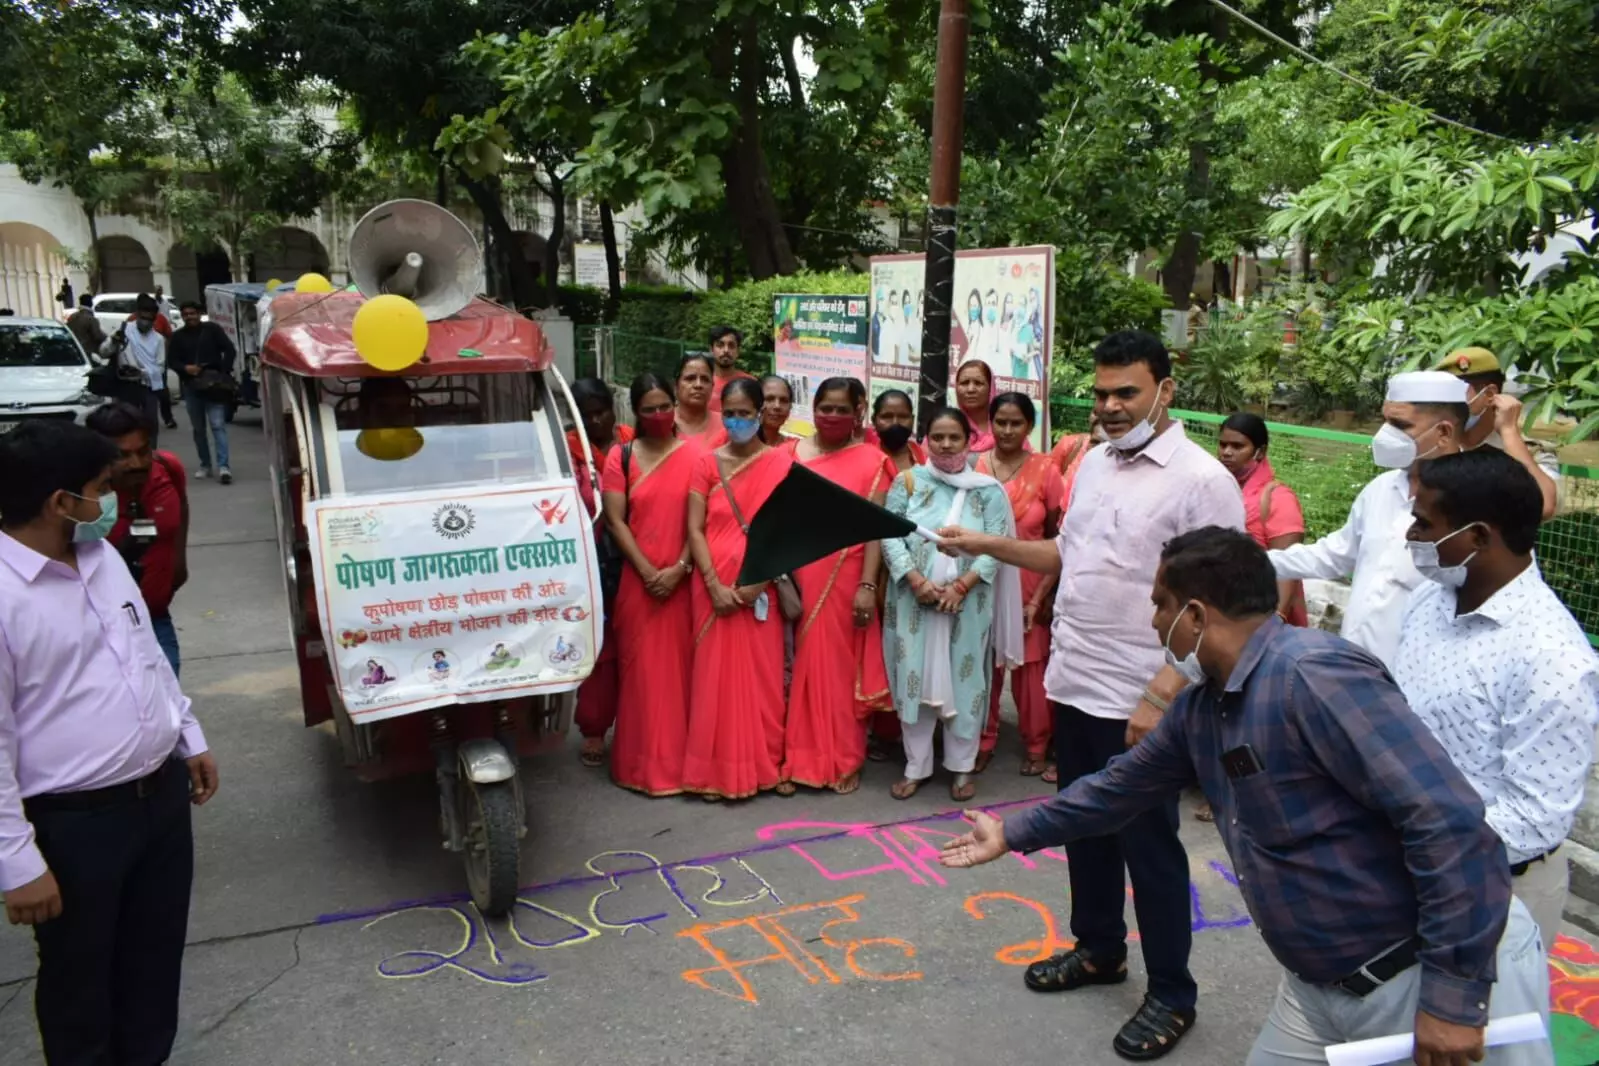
(993, 464)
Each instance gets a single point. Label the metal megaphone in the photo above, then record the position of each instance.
(418, 250)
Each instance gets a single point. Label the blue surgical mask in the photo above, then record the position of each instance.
(993, 315)
(100, 528)
(740, 430)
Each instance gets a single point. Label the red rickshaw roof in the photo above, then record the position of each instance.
(311, 337)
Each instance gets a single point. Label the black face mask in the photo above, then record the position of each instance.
(894, 437)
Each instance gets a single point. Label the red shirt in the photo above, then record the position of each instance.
(160, 502)
(717, 384)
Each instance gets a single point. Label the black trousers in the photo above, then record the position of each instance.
(164, 399)
(1148, 849)
(110, 965)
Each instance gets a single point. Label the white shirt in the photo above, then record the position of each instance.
(148, 351)
(1371, 546)
(1123, 510)
(1511, 691)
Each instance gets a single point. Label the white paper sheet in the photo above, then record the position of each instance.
(1516, 1029)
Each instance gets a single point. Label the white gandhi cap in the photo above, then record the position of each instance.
(1426, 386)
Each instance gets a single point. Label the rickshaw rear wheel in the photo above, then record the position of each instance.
(492, 824)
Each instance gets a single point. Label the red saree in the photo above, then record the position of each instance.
(839, 676)
(654, 641)
(597, 697)
(1034, 490)
(735, 723)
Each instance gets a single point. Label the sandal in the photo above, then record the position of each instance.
(1203, 813)
(1051, 774)
(983, 759)
(963, 788)
(1152, 1032)
(784, 788)
(592, 757)
(905, 788)
(1032, 767)
(848, 783)
(1069, 970)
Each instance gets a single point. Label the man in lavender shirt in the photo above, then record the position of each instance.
(100, 758)
(1107, 679)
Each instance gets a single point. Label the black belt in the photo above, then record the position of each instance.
(1519, 868)
(1380, 970)
(96, 798)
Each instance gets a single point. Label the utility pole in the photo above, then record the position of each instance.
(949, 105)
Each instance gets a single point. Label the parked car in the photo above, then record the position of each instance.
(113, 309)
(43, 373)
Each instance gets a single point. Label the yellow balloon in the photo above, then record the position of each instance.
(272, 283)
(390, 332)
(313, 283)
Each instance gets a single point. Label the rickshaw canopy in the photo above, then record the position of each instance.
(310, 335)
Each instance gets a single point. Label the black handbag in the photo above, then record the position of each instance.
(216, 386)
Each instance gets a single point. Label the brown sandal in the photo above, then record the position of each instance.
(848, 783)
(905, 788)
(1034, 767)
(1051, 774)
(592, 756)
(963, 788)
(784, 788)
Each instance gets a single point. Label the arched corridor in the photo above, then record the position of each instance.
(32, 264)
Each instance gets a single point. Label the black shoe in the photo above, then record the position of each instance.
(1066, 971)
(1153, 1031)
(172, 425)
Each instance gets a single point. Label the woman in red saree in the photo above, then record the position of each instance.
(735, 723)
(839, 678)
(777, 400)
(893, 422)
(974, 391)
(646, 508)
(597, 697)
(695, 420)
(1033, 484)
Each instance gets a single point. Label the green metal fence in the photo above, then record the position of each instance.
(1325, 467)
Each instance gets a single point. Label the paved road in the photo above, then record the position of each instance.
(327, 924)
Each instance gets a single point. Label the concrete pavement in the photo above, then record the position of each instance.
(327, 923)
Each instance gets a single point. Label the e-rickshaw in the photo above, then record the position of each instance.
(416, 510)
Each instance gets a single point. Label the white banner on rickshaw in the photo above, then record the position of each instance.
(437, 597)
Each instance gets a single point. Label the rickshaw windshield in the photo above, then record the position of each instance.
(398, 434)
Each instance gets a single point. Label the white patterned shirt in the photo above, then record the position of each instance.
(1511, 691)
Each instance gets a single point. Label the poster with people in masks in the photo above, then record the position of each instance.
(1003, 313)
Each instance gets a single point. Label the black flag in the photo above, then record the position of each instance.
(807, 517)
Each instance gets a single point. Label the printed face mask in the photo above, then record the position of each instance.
(950, 464)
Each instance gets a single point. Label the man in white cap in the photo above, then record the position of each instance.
(1424, 417)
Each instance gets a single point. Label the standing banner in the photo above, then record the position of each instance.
(816, 338)
(437, 597)
(1003, 314)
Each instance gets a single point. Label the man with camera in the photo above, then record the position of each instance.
(202, 356)
(152, 529)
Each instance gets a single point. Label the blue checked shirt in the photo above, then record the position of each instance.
(1358, 834)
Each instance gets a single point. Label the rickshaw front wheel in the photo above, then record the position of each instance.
(492, 823)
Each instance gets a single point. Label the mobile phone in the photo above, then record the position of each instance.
(761, 607)
(1241, 762)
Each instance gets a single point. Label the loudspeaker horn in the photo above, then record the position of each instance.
(418, 250)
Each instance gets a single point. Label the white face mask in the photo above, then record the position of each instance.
(1424, 556)
(1394, 449)
(1142, 433)
(1188, 665)
(1473, 419)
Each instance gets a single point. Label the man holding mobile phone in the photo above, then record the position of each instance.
(1361, 851)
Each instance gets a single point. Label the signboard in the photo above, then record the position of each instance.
(437, 597)
(588, 266)
(1003, 314)
(816, 338)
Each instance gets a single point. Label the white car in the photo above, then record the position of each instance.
(113, 308)
(43, 373)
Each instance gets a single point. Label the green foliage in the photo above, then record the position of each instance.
(748, 307)
(661, 311)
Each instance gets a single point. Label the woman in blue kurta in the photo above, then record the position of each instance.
(946, 619)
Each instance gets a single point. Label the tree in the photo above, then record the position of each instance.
(237, 170)
(398, 66)
(73, 79)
